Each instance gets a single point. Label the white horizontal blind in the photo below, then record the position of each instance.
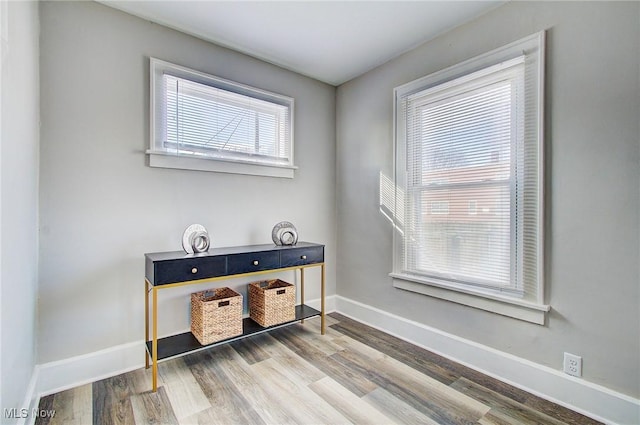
(202, 122)
(469, 165)
(206, 121)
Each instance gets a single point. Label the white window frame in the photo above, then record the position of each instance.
(160, 156)
(531, 307)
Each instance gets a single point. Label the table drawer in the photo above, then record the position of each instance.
(301, 256)
(172, 271)
(252, 262)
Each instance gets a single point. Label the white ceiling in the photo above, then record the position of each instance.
(331, 41)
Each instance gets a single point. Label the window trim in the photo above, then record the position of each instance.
(163, 159)
(532, 311)
(506, 306)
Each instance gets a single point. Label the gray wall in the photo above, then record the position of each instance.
(19, 201)
(102, 207)
(593, 187)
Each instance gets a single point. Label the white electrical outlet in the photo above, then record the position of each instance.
(572, 364)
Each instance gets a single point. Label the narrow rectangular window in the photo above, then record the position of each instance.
(203, 121)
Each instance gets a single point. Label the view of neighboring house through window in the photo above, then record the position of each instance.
(468, 160)
(462, 136)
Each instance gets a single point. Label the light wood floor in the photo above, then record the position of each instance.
(293, 375)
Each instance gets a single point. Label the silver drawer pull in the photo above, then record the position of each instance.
(194, 270)
(304, 257)
(255, 262)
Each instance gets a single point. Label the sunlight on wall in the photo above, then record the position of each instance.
(388, 207)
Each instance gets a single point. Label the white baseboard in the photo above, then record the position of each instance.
(329, 304)
(50, 378)
(68, 373)
(590, 399)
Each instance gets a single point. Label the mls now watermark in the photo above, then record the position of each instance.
(15, 413)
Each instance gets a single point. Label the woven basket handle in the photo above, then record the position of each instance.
(281, 291)
(223, 303)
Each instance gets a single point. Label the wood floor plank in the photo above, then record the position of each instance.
(556, 411)
(153, 408)
(422, 360)
(353, 381)
(503, 407)
(112, 402)
(140, 380)
(347, 403)
(73, 407)
(533, 407)
(258, 392)
(422, 392)
(228, 404)
(515, 394)
(492, 419)
(212, 416)
(500, 417)
(303, 405)
(315, 322)
(360, 348)
(329, 319)
(310, 332)
(304, 370)
(46, 404)
(251, 349)
(448, 371)
(395, 409)
(182, 389)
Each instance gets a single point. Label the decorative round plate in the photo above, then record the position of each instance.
(195, 239)
(284, 233)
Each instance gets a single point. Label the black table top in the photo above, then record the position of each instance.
(176, 255)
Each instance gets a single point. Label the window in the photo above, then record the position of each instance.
(469, 162)
(439, 207)
(473, 207)
(202, 122)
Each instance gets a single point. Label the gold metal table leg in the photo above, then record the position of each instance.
(154, 344)
(302, 288)
(322, 321)
(146, 323)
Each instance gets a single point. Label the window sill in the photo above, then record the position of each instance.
(518, 309)
(163, 160)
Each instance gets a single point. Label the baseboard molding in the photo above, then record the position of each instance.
(61, 375)
(590, 399)
(68, 373)
(31, 399)
(329, 304)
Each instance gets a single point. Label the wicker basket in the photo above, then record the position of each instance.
(216, 314)
(272, 302)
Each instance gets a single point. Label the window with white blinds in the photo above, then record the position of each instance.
(469, 165)
(202, 119)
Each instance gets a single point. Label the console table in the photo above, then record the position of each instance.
(165, 270)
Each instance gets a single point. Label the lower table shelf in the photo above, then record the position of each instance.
(177, 345)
